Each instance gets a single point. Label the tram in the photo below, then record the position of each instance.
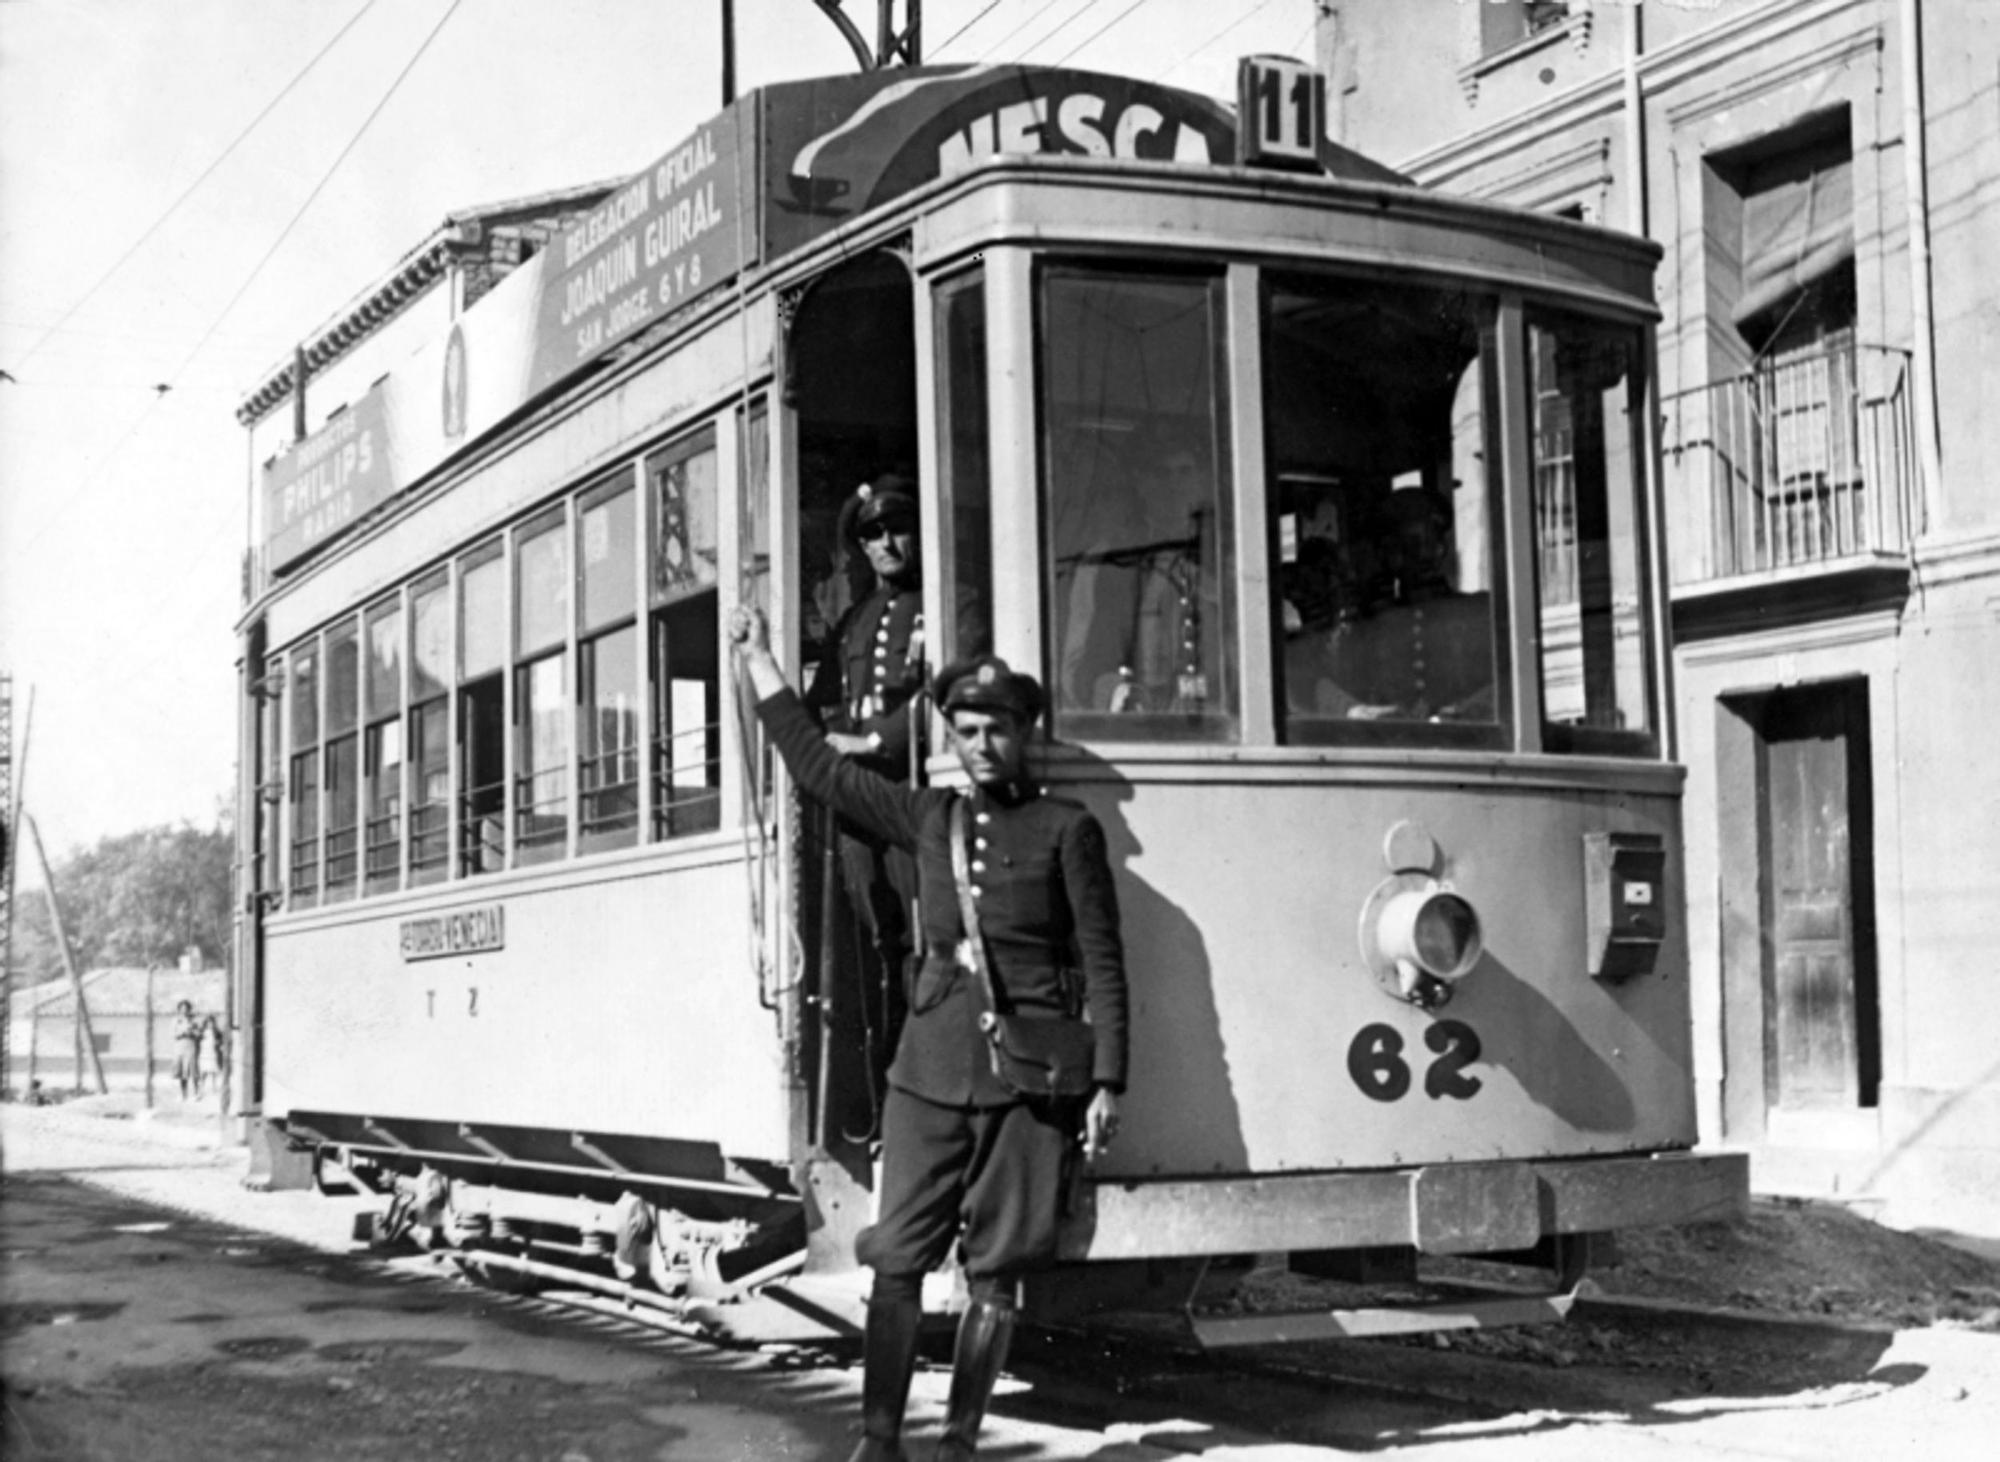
(1325, 507)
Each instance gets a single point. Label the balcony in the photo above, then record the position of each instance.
(1796, 479)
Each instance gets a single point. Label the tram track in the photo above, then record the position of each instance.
(1613, 1358)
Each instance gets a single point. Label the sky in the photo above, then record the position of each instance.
(187, 189)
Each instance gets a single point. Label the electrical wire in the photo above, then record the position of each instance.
(985, 10)
(251, 278)
(993, 50)
(320, 187)
(187, 192)
(1074, 17)
(1099, 31)
(1245, 16)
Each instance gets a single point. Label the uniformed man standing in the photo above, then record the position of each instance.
(872, 667)
(966, 1158)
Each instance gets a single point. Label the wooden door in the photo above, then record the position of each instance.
(1819, 1031)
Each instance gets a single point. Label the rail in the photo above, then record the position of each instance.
(1797, 463)
(687, 781)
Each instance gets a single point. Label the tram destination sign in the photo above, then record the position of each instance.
(466, 931)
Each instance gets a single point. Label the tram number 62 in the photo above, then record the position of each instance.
(1375, 1061)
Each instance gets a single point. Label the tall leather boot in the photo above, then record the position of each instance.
(888, 1357)
(983, 1335)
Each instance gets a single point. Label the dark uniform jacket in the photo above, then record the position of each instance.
(874, 665)
(1042, 883)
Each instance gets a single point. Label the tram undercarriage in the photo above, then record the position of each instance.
(722, 1247)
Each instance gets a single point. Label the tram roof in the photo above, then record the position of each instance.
(780, 168)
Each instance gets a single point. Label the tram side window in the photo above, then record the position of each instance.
(686, 660)
(1380, 422)
(482, 718)
(430, 728)
(1141, 566)
(608, 669)
(302, 690)
(541, 691)
(1590, 547)
(382, 750)
(967, 490)
(343, 761)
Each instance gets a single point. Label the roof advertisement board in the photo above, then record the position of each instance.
(777, 169)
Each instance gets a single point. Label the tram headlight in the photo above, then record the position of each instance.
(1420, 938)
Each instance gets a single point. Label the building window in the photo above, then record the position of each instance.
(1504, 23)
(302, 691)
(1793, 411)
(541, 690)
(1136, 495)
(343, 761)
(482, 711)
(607, 655)
(686, 660)
(382, 751)
(430, 728)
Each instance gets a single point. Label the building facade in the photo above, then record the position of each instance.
(1823, 177)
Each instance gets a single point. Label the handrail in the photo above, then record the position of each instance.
(1796, 463)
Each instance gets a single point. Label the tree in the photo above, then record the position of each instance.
(138, 898)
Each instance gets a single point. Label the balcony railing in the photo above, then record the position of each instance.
(1798, 463)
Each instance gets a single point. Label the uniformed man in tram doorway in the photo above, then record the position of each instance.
(872, 668)
(966, 1159)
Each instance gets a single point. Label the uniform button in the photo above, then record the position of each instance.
(978, 865)
(979, 843)
(977, 891)
(982, 817)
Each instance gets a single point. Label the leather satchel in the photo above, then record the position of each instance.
(1044, 1057)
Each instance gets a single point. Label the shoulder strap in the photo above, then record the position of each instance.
(968, 910)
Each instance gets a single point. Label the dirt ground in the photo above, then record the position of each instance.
(1697, 1292)
(1792, 1257)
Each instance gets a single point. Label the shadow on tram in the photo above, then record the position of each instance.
(1553, 1061)
(1179, 1057)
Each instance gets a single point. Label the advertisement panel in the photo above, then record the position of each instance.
(327, 482)
(777, 169)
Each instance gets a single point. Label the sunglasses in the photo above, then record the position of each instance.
(881, 528)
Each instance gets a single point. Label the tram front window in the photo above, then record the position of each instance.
(1595, 661)
(1141, 610)
(1379, 425)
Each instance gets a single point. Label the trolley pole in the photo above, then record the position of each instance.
(728, 51)
(892, 45)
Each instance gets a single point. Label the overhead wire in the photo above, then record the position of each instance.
(984, 11)
(1061, 26)
(188, 192)
(251, 278)
(1241, 19)
(1099, 31)
(993, 50)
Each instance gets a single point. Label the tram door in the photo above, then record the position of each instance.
(850, 381)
